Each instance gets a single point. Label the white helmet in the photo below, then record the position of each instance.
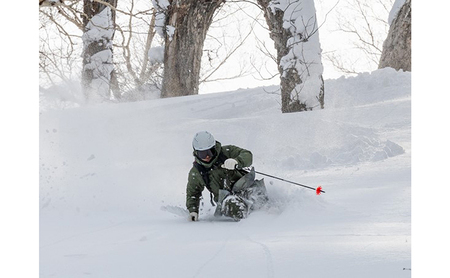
(203, 140)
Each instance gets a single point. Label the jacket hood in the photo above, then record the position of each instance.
(218, 148)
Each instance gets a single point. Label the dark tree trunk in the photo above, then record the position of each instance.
(290, 78)
(191, 20)
(397, 46)
(280, 36)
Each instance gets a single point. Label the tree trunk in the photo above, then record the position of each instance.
(186, 25)
(98, 68)
(397, 46)
(295, 38)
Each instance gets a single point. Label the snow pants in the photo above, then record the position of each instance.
(246, 195)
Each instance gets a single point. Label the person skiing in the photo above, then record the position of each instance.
(220, 169)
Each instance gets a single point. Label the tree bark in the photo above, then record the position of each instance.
(280, 36)
(291, 82)
(397, 46)
(187, 22)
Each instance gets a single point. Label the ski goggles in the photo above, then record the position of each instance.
(205, 153)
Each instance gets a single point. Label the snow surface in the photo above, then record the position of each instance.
(113, 177)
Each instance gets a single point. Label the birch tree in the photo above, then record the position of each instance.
(294, 29)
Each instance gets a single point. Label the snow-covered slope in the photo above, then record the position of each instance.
(111, 177)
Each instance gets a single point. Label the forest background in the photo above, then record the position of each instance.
(237, 51)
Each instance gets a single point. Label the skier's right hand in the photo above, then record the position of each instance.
(230, 164)
(193, 216)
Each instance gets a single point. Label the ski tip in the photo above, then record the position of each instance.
(319, 190)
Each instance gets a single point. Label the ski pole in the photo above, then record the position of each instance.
(318, 189)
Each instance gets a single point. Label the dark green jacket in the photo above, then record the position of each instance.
(219, 177)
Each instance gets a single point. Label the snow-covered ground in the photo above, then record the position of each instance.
(113, 175)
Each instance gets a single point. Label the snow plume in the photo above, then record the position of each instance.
(304, 48)
(100, 30)
(112, 183)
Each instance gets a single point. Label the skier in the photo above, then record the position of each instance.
(219, 169)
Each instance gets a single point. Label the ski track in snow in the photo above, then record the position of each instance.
(268, 255)
(212, 258)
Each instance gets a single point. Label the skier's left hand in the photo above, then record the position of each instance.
(230, 164)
